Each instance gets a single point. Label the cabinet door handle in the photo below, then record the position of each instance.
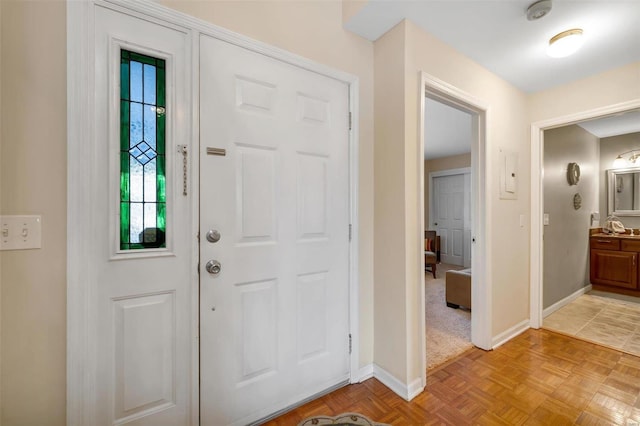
(605, 241)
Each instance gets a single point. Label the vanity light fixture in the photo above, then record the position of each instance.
(565, 43)
(621, 162)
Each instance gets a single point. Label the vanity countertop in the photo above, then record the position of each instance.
(601, 234)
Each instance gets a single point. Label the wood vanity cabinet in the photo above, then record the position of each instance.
(614, 263)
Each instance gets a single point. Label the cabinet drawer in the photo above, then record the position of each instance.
(630, 245)
(605, 243)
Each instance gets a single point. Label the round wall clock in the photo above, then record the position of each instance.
(573, 173)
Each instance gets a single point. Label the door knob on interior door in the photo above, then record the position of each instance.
(213, 236)
(213, 267)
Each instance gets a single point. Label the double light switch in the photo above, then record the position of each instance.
(20, 232)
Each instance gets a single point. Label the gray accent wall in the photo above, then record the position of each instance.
(566, 238)
(610, 148)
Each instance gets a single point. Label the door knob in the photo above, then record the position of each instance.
(213, 236)
(213, 267)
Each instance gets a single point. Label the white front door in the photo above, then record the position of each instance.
(274, 184)
(143, 241)
(449, 200)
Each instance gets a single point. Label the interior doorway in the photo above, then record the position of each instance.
(581, 158)
(441, 92)
(447, 153)
(537, 196)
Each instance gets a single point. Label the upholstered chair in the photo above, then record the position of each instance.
(431, 249)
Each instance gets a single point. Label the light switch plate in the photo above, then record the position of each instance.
(545, 219)
(20, 232)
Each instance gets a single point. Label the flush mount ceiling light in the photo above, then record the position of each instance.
(538, 9)
(565, 43)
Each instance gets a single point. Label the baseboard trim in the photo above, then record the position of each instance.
(365, 373)
(509, 334)
(415, 388)
(406, 392)
(563, 302)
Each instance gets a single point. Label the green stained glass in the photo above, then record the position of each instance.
(142, 151)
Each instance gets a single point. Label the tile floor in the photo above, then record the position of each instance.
(600, 319)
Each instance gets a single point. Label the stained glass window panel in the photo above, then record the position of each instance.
(142, 151)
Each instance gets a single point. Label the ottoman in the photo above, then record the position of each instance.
(458, 288)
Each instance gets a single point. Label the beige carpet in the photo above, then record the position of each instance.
(448, 330)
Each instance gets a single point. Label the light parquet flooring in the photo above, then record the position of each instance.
(537, 378)
(603, 320)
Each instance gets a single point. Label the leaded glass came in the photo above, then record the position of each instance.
(142, 151)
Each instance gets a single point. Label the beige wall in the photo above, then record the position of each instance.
(423, 52)
(350, 8)
(389, 181)
(1, 212)
(439, 164)
(604, 89)
(507, 128)
(33, 176)
(566, 238)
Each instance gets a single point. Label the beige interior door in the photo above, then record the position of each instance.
(274, 297)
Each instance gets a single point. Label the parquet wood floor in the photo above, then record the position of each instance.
(537, 378)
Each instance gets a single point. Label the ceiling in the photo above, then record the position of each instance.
(497, 35)
(447, 131)
(619, 124)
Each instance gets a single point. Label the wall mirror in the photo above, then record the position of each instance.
(623, 194)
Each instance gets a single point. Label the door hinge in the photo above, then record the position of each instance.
(350, 231)
(349, 120)
(198, 268)
(350, 344)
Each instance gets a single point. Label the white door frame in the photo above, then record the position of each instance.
(537, 194)
(480, 257)
(82, 387)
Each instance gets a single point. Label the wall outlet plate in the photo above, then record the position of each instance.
(20, 232)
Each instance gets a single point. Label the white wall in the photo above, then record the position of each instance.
(566, 238)
(610, 148)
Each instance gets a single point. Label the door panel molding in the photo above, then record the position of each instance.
(83, 393)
